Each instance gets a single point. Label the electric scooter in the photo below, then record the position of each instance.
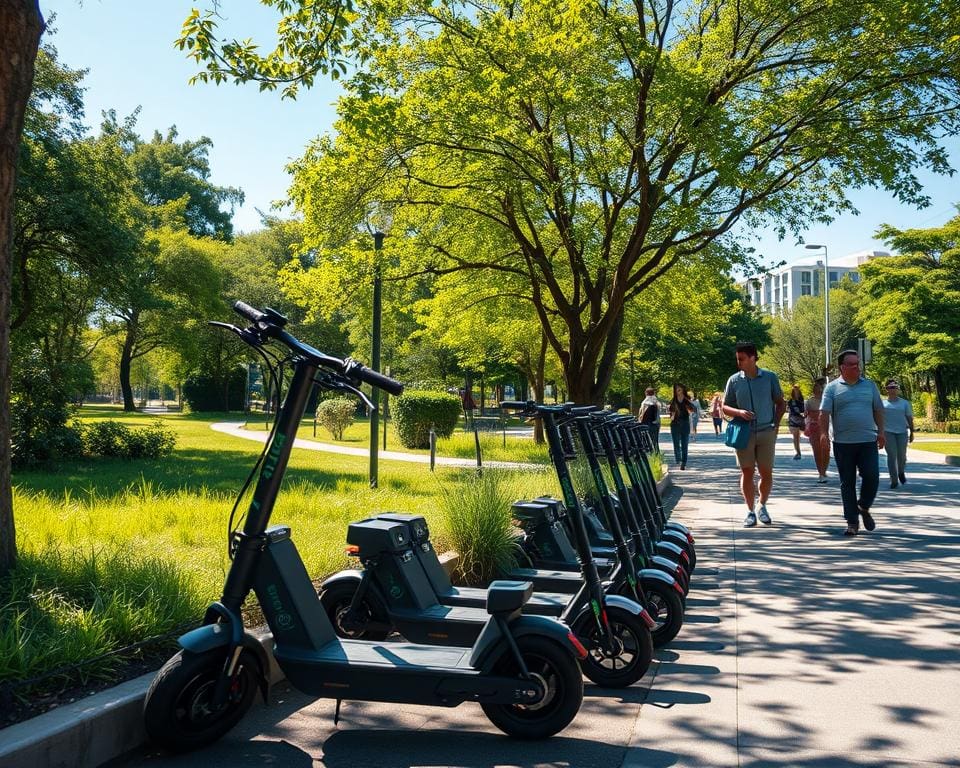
(654, 588)
(522, 670)
(392, 593)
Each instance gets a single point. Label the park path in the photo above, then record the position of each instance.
(238, 429)
(800, 648)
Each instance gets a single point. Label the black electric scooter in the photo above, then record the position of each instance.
(522, 670)
(654, 588)
(393, 593)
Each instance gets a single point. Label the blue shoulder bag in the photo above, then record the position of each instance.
(737, 433)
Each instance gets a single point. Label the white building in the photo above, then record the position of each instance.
(780, 288)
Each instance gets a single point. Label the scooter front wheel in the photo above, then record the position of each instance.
(178, 712)
(632, 651)
(665, 607)
(557, 671)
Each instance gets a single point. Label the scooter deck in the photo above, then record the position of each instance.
(359, 652)
(540, 603)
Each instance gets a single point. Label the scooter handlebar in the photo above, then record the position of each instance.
(369, 376)
(245, 310)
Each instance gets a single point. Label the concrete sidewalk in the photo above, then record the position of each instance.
(800, 648)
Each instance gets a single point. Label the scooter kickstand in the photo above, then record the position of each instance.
(336, 712)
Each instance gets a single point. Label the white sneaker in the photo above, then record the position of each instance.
(763, 515)
(822, 479)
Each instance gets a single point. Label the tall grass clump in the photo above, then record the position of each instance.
(479, 526)
(62, 609)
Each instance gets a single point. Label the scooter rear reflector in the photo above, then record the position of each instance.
(578, 646)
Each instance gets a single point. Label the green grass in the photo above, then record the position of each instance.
(459, 445)
(92, 532)
(946, 448)
(113, 550)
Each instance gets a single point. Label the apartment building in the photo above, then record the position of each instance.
(780, 288)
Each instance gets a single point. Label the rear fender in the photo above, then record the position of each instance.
(352, 577)
(492, 644)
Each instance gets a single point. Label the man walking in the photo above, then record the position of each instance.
(853, 404)
(754, 395)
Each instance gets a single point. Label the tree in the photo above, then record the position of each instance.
(598, 148)
(912, 314)
(20, 28)
(164, 293)
(684, 328)
(798, 352)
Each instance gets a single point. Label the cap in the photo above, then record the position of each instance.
(893, 384)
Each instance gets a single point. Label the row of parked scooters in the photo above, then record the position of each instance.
(603, 581)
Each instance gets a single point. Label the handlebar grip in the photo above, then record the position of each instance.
(245, 310)
(378, 380)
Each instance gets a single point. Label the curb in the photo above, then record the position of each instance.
(933, 458)
(102, 727)
(89, 732)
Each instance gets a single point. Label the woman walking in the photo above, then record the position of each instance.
(795, 418)
(811, 409)
(680, 410)
(898, 429)
(716, 414)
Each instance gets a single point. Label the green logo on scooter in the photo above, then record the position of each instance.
(281, 617)
(273, 457)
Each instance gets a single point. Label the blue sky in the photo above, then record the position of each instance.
(127, 45)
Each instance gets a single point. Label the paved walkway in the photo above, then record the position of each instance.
(800, 648)
(238, 429)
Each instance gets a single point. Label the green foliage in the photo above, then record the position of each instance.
(116, 440)
(912, 312)
(797, 353)
(59, 607)
(216, 393)
(931, 425)
(335, 415)
(415, 412)
(480, 527)
(40, 406)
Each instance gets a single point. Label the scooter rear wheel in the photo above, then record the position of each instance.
(558, 671)
(178, 712)
(633, 653)
(336, 602)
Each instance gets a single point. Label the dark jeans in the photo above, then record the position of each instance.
(852, 458)
(680, 432)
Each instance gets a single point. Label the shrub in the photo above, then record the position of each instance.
(113, 439)
(335, 415)
(480, 528)
(931, 425)
(415, 412)
(216, 393)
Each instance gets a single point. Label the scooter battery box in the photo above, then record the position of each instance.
(373, 537)
(530, 514)
(555, 506)
(416, 525)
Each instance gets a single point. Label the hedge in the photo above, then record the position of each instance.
(416, 411)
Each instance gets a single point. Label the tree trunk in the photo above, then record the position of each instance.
(20, 28)
(126, 358)
(940, 391)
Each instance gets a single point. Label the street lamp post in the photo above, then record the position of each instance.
(375, 356)
(826, 300)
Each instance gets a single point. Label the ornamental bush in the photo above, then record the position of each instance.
(415, 412)
(111, 438)
(335, 415)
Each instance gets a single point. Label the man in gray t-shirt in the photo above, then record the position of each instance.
(753, 394)
(852, 404)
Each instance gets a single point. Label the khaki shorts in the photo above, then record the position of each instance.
(759, 451)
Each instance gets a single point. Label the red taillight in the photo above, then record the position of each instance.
(352, 549)
(676, 586)
(577, 645)
(647, 618)
(603, 617)
(690, 538)
(685, 556)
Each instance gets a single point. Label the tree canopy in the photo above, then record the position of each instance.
(590, 147)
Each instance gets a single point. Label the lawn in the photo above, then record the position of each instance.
(113, 551)
(948, 448)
